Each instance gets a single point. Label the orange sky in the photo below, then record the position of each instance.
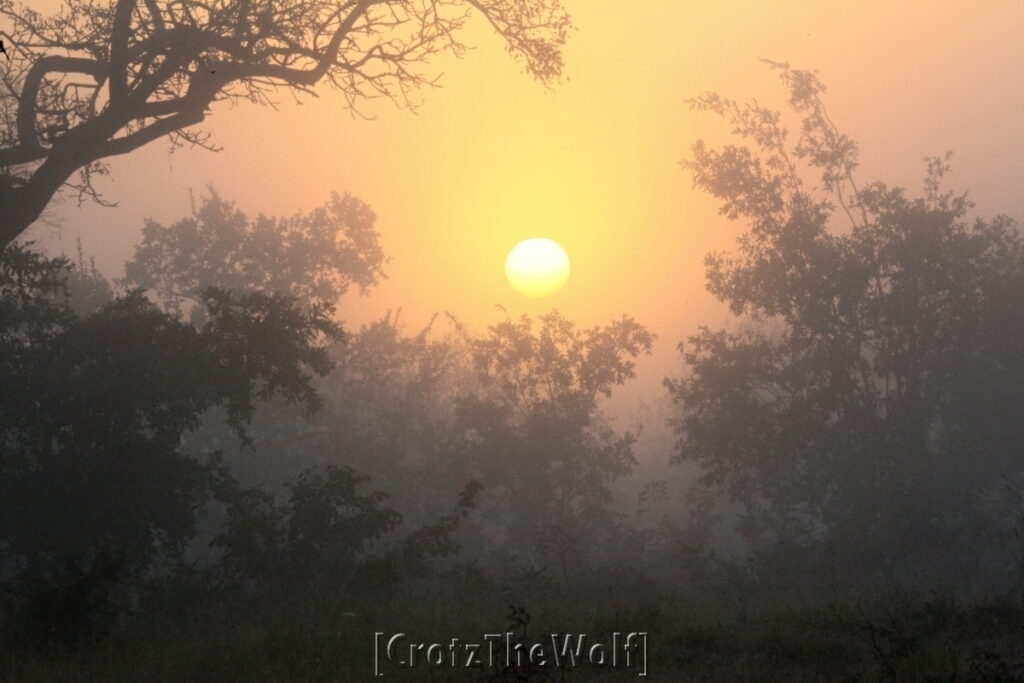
(492, 158)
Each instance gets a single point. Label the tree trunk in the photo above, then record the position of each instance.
(21, 206)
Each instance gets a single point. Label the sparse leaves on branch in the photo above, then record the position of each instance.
(100, 79)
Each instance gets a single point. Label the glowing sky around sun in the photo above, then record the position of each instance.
(492, 158)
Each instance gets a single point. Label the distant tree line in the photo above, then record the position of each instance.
(207, 417)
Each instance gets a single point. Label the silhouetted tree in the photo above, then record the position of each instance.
(389, 406)
(93, 482)
(292, 512)
(316, 532)
(102, 79)
(872, 395)
(87, 288)
(533, 434)
(314, 256)
(324, 534)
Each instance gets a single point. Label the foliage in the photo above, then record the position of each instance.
(532, 432)
(871, 398)
(314, 256)
(87, 288)
(389, 408)
(327, 535)
(317, 532)
(28, 280)
(94, 483)
(515, 410)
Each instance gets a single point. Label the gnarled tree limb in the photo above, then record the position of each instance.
(159, 65)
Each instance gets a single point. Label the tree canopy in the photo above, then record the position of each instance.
(95, 483)
(533, 433)
(312, 256)
(873, 388)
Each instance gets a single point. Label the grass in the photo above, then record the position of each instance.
(233, 637)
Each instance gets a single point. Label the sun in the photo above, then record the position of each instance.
(537, 267)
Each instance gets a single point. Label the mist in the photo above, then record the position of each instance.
(274, 408)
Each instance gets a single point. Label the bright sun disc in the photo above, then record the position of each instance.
(537, 267)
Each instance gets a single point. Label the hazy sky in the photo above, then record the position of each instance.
(492, 157)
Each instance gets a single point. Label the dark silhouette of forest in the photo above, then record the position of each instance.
(205, 475)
